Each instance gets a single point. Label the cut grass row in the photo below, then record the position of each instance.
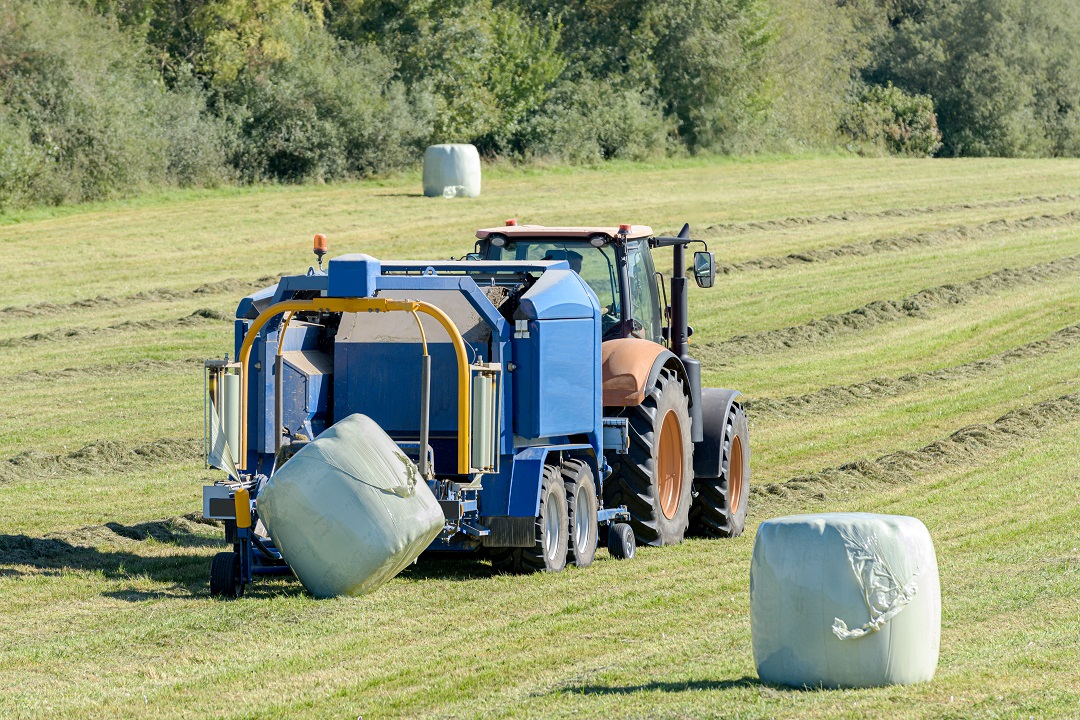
(799, 295)
(117, 251)
(36, 316)
(53, 413)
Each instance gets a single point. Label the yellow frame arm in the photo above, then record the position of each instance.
(362, 305)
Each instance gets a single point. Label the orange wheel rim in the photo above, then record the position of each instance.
(735, 474)
(669, 465)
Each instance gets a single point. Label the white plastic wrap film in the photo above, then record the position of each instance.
(844, 600)
(350, 510)
(220, 456)
(230, 413)
(451, 170)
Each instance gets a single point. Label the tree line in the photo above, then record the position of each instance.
(101, 98)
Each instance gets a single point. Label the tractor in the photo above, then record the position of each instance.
(544, 391)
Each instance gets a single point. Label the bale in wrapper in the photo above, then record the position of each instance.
(844, 600)
(350, 510)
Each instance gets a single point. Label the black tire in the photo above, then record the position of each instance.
(636, 481)
(225, 576)
(582, 505)
(621, 543)
(715, 512)
(548, 553)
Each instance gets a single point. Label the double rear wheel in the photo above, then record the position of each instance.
(565, 528)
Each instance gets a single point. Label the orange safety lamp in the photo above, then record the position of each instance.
(512, 222)
(319, 247)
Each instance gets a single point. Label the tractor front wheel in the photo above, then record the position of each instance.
(654, 479)
(548, 553)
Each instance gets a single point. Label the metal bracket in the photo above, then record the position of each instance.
(617, 435)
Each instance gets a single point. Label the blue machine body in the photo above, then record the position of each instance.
(538, 322)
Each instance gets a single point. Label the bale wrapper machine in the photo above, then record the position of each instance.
(540, 409)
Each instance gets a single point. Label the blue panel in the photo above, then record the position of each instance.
(291, 284)
(352, 275)
(382, 381)
(525, 482)
(559, 294)
(246, 305)
(555, 384)
(527, 475)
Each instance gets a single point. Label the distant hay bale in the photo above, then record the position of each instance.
(451, 170)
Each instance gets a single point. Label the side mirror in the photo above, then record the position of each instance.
(474, 256)
(704, 269)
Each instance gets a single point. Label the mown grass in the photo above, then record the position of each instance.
(103, 579)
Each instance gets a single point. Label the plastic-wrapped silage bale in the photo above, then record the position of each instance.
(844, 600)
(451, 170)
(349, 511)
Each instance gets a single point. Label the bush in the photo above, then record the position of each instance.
(88, 117)
(590, 120)
(885, 118)
(331, 111)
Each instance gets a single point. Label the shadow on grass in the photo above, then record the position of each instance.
(688, 686)
(184, 575)
(447, 566)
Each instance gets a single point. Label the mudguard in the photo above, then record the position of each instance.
(631, 365)
(708, 454)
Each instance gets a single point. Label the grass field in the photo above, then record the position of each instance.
(906, 333)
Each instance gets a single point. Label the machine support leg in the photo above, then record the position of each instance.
(425, 408)
(278, 410)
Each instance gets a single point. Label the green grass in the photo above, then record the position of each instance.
(100, 624)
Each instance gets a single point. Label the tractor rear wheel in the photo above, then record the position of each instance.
(654, 479)
(719, 510)
(548, 553)
(225, 576)
(581, 501)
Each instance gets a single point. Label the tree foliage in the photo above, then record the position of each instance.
(105, 97)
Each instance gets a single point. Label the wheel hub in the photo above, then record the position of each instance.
(581, 520)
(551, 527)
(669, 465)
(735, 474)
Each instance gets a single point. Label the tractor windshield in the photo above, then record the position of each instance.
(595, 265)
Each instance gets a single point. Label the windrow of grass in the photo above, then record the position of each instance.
(131, 247)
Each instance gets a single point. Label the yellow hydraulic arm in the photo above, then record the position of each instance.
(362, 305)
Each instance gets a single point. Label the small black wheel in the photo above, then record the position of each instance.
(582, 503)
(548, 553)
(225, 576)
(621, 543)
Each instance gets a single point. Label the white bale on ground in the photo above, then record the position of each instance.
(844, 600)
(349, 511)
(451, 170)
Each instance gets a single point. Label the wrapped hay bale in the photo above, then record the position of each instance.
(844, 600)
(451, 171)
(350, 510)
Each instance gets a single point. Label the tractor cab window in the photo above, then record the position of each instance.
(644, 295)
(596, 266)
